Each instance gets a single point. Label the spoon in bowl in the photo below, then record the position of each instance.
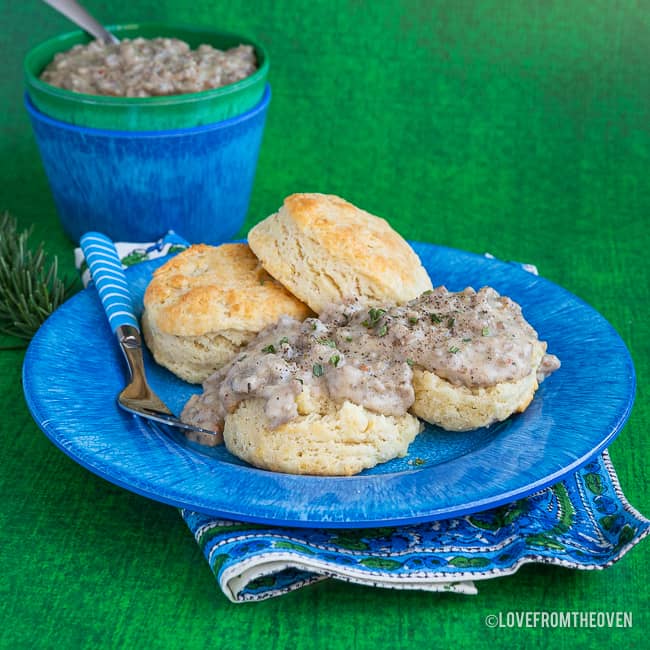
(80, 16)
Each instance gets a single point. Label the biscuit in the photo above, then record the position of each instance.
(459, 408)
(206, 303)
(325, 250)
(326, 439)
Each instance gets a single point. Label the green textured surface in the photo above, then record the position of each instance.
(519, 128)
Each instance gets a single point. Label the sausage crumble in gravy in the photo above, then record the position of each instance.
(143, 67)
(366, 355)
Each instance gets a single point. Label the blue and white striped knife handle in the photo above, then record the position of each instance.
(108, 275)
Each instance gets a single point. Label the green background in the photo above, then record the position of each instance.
(520, 128)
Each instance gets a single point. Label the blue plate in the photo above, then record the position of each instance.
(73, 371)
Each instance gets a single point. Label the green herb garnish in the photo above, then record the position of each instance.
(410, 361)
(269, 349)
(485, 331)
(383, 330)
(450, 322)
(317, 369)
(328, 342)
(374, 316)
(435, 318)
(334, 360)
(453, 349)
(413, 320)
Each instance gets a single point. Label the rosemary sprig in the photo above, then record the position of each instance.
(30, 288)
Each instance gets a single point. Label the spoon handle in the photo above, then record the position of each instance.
(78, 15)
(109, 278)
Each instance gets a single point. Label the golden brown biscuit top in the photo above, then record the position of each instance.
(346, 232)
(211, 288)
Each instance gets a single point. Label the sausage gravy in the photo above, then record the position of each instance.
(366, 355)
(148, 67)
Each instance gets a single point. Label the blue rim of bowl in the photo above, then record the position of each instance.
(203, 128)
(165, 100)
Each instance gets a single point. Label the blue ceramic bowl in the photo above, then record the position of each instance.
(137, 185)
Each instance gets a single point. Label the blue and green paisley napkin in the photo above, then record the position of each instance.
(583, 522)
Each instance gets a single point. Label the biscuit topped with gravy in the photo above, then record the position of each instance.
(206, 303)
(337, 393)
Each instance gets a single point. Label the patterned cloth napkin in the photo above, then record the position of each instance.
(583, 522)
